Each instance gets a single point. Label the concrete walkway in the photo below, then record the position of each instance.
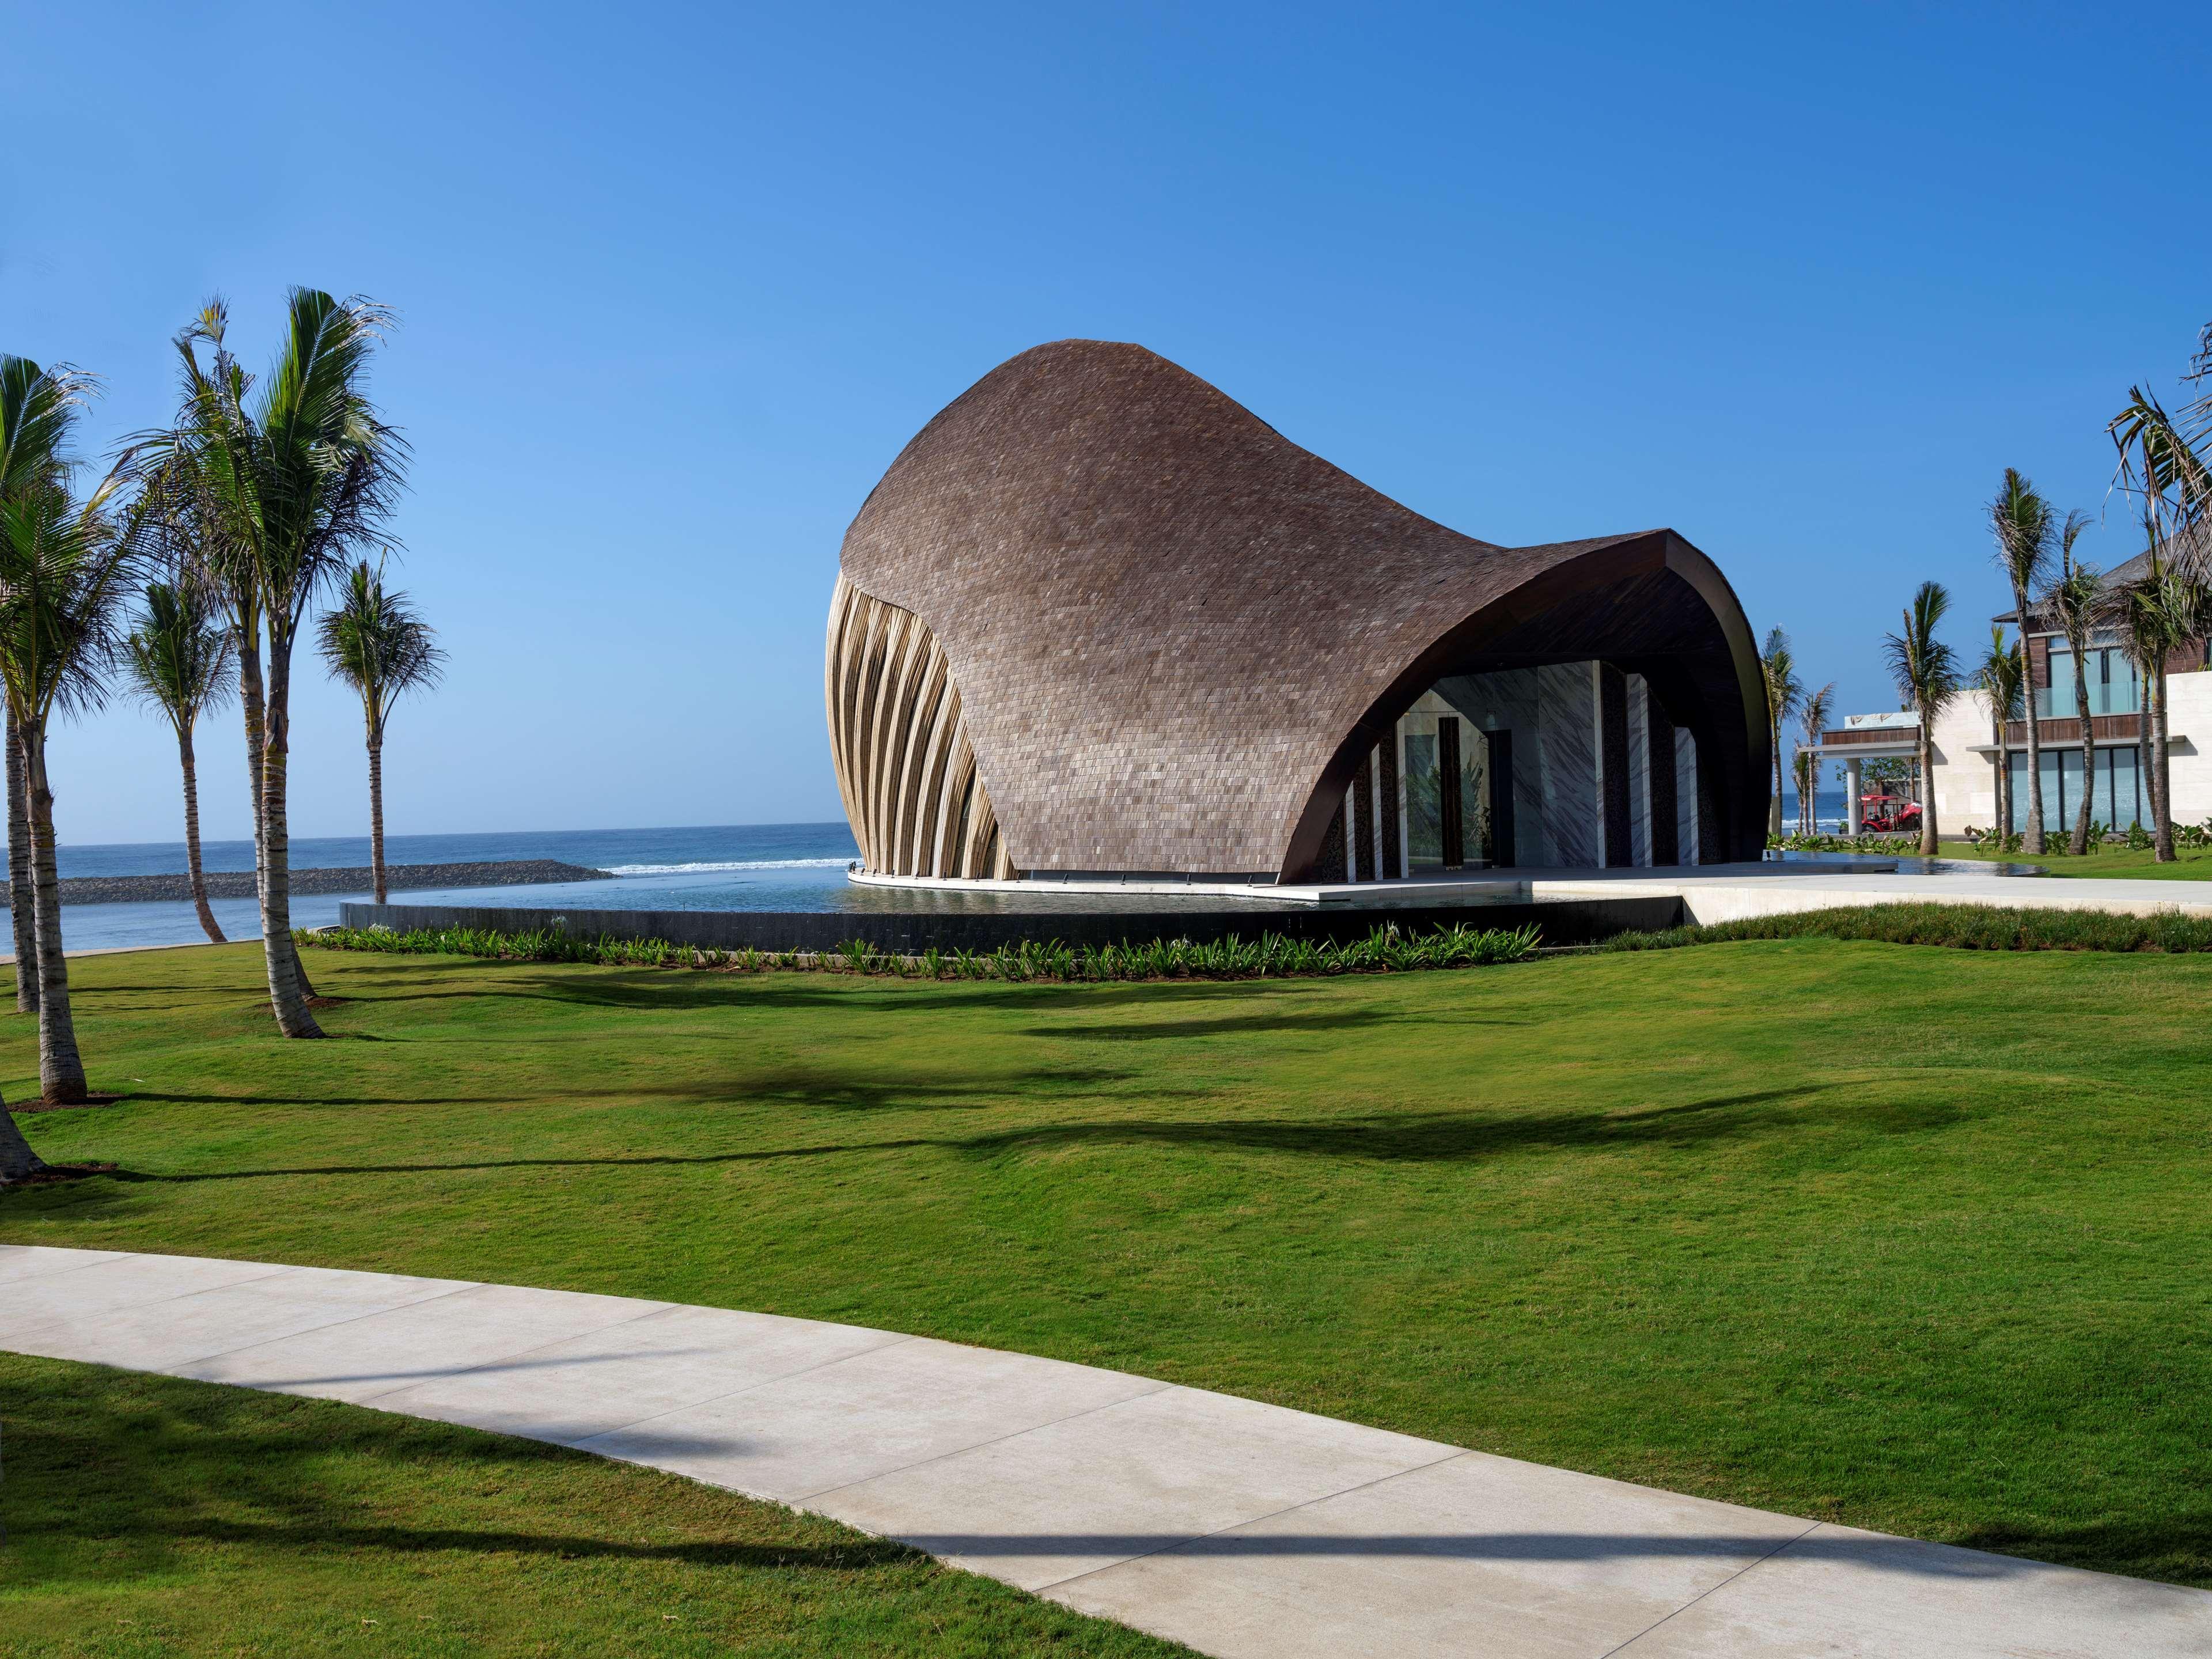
(1734, 892)
(1237, 1528)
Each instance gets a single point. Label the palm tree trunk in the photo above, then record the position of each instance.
(61, 1069)
(22, 908)
(376, 818)
(2162, 803)
(2080, 845)
(253, 698)
(2145, 786)
(2031, 831)
(2001, 765)
(17, 1161)
(1927, 795)
(1774, 807)
(250, 700)
(192, 835)
(287, 990)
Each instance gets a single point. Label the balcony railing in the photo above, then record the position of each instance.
(2103, 728)
(1869, 734)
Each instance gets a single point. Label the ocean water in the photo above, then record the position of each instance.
(755, 866)
(748, 866)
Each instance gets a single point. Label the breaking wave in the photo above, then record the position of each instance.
(738, 864)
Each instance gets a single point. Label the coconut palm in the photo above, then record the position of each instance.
(1778, 667)
(2022, 524)
(36, 433)
(64, 567)
(376, 642)
(2074, 601)
(1813, 714)
(1927, 674)
(295, 480)
(178, 659)
(2165, 468)
(2156, 614)
(2000, 676)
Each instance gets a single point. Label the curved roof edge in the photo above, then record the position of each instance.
(1169, 623)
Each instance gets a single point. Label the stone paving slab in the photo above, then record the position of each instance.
(1237, 1528)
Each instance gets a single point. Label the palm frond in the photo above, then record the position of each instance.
(178, 656)
(2162, 469)
(1779, 667)
(2020, 521)
(1924, 668)
(2001, 675)
(377, 643)
(283, 486)
(1818, 707)
(38, 410)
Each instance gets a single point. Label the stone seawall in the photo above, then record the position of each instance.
(239, 884)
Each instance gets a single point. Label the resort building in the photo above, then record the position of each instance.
(1100, 622)
(1968, 748)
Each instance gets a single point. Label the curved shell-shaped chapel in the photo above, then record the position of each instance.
(1099, 620)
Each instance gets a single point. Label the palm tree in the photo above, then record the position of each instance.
(1813, 713)
(2164, 467)
(294, 485)
(1777, 667)
(35, 433)
(1999, 677)
(2021, 521)
(378, 644)
(178, 659)
(63, 566)
(2074, 602)
(1927, 674)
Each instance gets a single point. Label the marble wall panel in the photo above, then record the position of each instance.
(1567, 797)
(1686, 794)
(1508, 699)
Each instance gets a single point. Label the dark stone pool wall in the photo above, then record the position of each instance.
(1563, 921)
(239, 884)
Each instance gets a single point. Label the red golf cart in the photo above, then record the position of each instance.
(1889, 814)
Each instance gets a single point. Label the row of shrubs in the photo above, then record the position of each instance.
(1843, 843)
(1960, 927)
(2056, 844)
(1271, 955)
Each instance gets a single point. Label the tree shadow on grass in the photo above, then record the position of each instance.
(791, 1086)
(2175, 1548)
(661, 989)
(133, 1465)
(1284, 1022)
(1434, 1137)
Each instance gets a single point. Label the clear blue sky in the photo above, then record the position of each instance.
(676, 282)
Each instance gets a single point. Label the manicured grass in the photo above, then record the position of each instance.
(149, 1516)
(1957, 927)
(1906, 1237)
(2105, 864)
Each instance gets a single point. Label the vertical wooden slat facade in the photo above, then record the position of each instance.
(906, 770)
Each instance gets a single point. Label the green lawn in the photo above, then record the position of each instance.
(1910, 1238)
(2106, 863)
(149, 1518)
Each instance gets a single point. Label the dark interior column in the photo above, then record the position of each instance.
(1328, 863)
(1448, 774)
(1364, 841)
(1659, 742)
(1394, 865)
(1712, 831)
(1612, 762)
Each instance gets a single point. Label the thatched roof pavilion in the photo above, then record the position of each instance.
(1098, 617)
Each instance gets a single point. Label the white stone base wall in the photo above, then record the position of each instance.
(1965, 783)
